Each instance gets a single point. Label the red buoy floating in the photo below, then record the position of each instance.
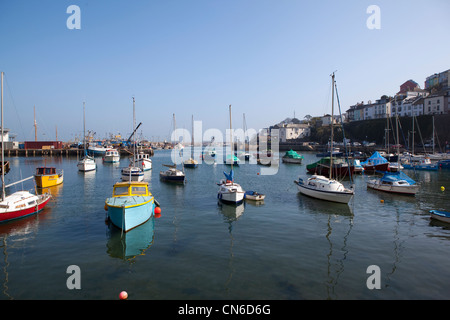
(157, 212)
(123, 295)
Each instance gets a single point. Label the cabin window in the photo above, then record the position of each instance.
(138, 190)
(121, 191)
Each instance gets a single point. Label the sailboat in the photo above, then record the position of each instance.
(132, 172)
(172, 174)
(21, 203)
(321, 187)
(191, 163)
(229, 191)
(87, 163)
(394, 182)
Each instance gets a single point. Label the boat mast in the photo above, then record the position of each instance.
(231, 144)
(412, 153)
(35, 125)
(192, 140)
(84, 129)
(3, 163)
(332, 116)
(432, 140)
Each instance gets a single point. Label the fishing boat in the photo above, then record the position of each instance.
(253, 195)
(133, 172)
(97, 150)
(443, 216)
(131, 205)
(87, 163)
(321, 187)
(229, 191)
(21, 203)
(48, 177)
(173, 174)
(292, 157)
(375, 163)
(111, 156)
(421, 163)
(394, 182)
(143, 161)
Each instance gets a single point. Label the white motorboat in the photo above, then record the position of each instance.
(394, 182)
(143, 161)
(111, 156)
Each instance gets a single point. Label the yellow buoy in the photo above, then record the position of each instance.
(442, 188)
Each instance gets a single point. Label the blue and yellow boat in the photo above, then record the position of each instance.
(131, 204)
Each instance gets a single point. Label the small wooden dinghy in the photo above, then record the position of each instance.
(253, 195)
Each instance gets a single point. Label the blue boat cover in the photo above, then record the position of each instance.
(229, 176)
(375, 159)
(395, 176)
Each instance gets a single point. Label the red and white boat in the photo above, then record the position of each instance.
(21, 203)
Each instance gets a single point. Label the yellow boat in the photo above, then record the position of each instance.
(48, 176)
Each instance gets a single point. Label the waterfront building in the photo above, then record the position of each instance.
(408, 86)
(435, 103)
(438, 80)
(291, 129)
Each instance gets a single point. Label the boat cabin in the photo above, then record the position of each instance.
(133, 188)
(45, 171)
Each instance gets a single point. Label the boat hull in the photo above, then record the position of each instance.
(421, 167)
(291, 160)
(231, 197)
(45, 181)
(374, 168)
(128, 213)
(407, 190)
(87, 164)
(132, 174)
(331, 196)
(440, 215)
(172, 175)
(9, 215)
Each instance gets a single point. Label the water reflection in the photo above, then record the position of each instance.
(339, 223)
(231, 214)
(128, 245)
(15, 234)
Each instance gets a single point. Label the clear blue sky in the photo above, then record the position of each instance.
(195, 57)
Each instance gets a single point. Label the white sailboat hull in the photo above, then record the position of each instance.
(86, 164)
(332, 191)
(231, 193)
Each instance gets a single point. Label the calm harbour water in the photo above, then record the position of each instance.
(289, 247)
